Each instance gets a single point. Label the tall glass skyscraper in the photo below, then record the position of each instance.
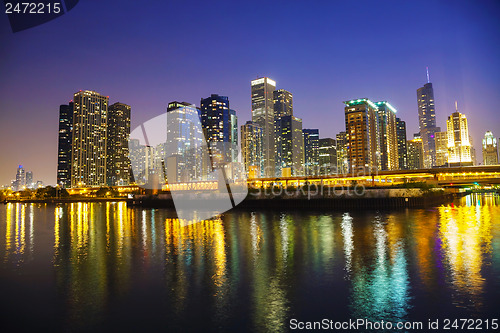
(251, 149)
(402, 150)
(427, 123)
(387, 136)
(90, 122)
(64, 145)
(263, 114)
(290, 146)
(118, 162)
(219, 125)
(311, 156)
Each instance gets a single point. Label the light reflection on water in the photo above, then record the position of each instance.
(252, 270)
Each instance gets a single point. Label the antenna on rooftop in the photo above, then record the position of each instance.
(427, 68)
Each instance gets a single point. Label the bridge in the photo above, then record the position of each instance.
(443, 177)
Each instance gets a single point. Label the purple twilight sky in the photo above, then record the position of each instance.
(147, 53)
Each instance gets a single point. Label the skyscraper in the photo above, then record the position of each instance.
(459, 148)
(117, 151)
(263, 114)
(64, 145)
(20, 178)
(90, 121)
(361, 134)
(490, 149)
(29, 179)
(342, 161)
(185, 143)
(219, 125)
(441, 139)
(283, 103)
(402, 149)
(311, 156)
(427, 122)
(251, 149)
(415, 154)
(327, 154)
(387, 136)
(290, 146)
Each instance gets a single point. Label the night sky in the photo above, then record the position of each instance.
(147, 53)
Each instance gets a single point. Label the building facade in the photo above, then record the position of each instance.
(262, 90)
(342, 160)
(415, 154)
(89, 142)
(402, 149)
(311, 154)
(220, 125)
(441, 139)
(65, 138)
(251, 149)
(490, 149)
(459, 148)
(117, 151)
(327, 156)
(361, 134)
(387, 136)
(290, 146)
(427, 122)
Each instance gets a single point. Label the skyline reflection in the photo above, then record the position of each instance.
(270, 266)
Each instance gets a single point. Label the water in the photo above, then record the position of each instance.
(103, 266)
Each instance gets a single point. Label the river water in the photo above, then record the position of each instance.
(105, 267)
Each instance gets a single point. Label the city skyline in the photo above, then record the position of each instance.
(319, 87)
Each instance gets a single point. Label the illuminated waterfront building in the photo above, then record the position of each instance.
(327, 156)
(459, 148)
(185, 141)
(402, 149)
(290, 147)
(219, 125)
(441, 139)
(262, 91)
(90, 121)
(490, 149)
(311, 145)
(387, 136)
(65, 137)
(117, 151)
(361, 134)
(342, 161)
(251, 149)
(415, 153)
(427, 122)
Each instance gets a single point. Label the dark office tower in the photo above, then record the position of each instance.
(311, 145)
(219, 125)
(118, 162)
(283, 103)
(327, 155)
(402, 150)
(90, 129)
(427, 122)
(263, 114)
(64, 145)
(387, 137)
(290, 148)
(342, 161)
(251, 149)
(361, 134)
